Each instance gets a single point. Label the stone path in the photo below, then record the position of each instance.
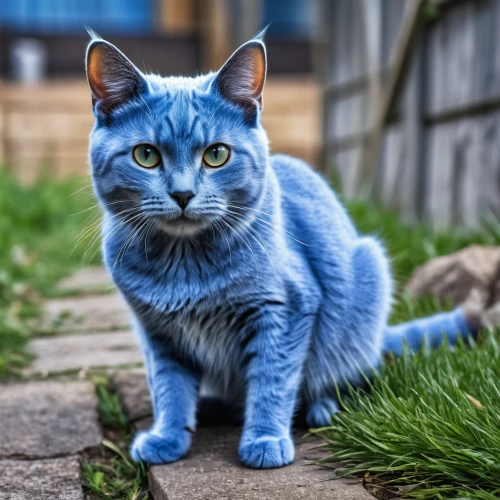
(86, 350)
(43, 428)
(212, 470)
(45, 425)
(85, 314)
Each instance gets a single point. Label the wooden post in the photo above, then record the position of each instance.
(176, 16)
(413, 175)
(248, 20)
(370, 154)
(215, 34)
(371, 11)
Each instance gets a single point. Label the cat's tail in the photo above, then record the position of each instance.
(430, 330)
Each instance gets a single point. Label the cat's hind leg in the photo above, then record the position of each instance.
(320, 411)
(348, 336)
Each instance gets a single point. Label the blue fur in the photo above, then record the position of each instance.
(268, 294)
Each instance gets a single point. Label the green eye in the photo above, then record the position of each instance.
(146, 156)
(216, 155)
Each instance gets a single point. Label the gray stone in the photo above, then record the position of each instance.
(92, 279)
(52, 479)
(211, 470)
(48, 419)
(89, 350)
(134, 393)
(88, 313)
(455, 276)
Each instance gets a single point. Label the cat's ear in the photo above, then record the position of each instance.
(241, 79)
(112, 78)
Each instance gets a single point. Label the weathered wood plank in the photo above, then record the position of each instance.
(463, 66)
(464, 171)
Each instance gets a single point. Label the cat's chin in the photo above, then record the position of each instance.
(182, 227)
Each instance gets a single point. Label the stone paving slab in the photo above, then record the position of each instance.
(49, 479)
(87, 313)
(87, 350)
(134, 393)
(48, 419)
(212, 470)
(85, 281)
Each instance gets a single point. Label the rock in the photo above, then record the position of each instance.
(134, 393)
(48, 419)
(92, 279)
(212, 470)
(53, 479)
(453, 277)
(96, 313)
(70, 352)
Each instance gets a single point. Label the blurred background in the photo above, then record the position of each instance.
(399, 97)
(46, 103)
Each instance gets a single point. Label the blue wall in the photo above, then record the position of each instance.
(67, 16)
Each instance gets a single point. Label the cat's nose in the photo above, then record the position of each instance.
(182, 198)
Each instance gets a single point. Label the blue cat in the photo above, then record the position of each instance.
(241, 268)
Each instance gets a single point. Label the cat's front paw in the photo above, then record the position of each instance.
(156, 449)
(266, 452)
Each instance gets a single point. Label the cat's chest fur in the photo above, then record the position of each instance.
(203, 309)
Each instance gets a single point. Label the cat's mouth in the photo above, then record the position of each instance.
(185, 224)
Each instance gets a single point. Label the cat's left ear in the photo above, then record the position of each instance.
(241, 79)
(112, 77)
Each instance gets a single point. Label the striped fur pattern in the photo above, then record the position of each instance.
(261, 288)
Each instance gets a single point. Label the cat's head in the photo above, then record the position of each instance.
(183, 152)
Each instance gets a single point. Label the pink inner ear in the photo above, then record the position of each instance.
(258, 70)
(242, 78)
(94, 71)
(113, 79)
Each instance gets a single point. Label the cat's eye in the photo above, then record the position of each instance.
(216, 155)
(146, 156)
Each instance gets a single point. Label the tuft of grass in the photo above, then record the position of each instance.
(113, 475)
(429, 425)
(39, 227)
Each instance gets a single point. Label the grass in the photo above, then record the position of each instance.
(39, 226)
(428, 426)
(112, 475)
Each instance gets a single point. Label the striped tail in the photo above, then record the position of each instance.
(429, 330)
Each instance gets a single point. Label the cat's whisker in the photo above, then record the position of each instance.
(224, 235)
(140, 233)
(239, 205)
(250, 231)
(92, 207)
(151, 225)
(245, 242)
(93, 232)
(287, 233)
(78, 191)
(106, 235)
(129, 237)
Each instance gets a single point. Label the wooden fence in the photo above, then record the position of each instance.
(412, 104)
(48, 125)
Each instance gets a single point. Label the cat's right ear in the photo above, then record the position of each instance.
(112, 77)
